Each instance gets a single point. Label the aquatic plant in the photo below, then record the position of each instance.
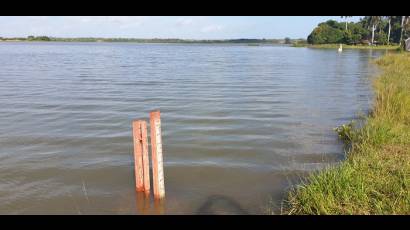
(346, 132)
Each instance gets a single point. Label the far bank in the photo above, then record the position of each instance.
(336, 46)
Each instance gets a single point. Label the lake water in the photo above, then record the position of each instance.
(240, 123)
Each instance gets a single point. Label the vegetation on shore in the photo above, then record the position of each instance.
(374, 30)
(154, 40)
(371, 32)
(335, 46)
(375, 176)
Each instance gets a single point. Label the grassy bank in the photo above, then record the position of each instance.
(335, 46)
(375, 177)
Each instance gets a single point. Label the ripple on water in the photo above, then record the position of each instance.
(240, 124)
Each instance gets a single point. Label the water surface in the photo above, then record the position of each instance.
(240, 123)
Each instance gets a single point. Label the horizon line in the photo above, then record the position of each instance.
(153, 38)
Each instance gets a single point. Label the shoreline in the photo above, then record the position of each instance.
(336, 46)
(374, 177)
(152, 40)
(155, 43)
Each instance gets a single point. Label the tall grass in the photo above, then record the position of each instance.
(375, 177)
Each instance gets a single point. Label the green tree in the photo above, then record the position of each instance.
(345, 17)
(351, 38)
(395, 29)
(373, 22)
(327, 32)
(404, 27)
(389, 30)
(376, 29)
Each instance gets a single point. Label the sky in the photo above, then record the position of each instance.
(184, 27)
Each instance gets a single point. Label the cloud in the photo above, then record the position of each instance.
(211, 28)
(183, 21)
(85, 19)
(43, 18)
(122, 21)
(134, 20)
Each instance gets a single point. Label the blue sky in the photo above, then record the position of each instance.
(186, 27)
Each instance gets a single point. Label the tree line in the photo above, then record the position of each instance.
(370, 30)
(153, 40)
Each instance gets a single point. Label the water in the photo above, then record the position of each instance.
(240, 123)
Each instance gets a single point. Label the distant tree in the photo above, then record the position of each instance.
(39, 38)
(346, 17)
(328, 32)
(373, 22)
(288, 40)
(349, 37)
(369, 29)
(388, 33)
(382, 38)
(406, 28)
(359, 30)
(404, 25)
(395, 29)
(42, 38)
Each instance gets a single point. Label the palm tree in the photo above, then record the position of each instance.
(402, 27)
(373, 21)
(388, 33)
(345, 20)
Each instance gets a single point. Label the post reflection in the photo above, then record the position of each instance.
(159, 206)
(143, 203)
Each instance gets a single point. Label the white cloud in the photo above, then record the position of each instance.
(44, 18)
(211, 28)
(122, 21)
(183, 21)
(134, 20)
(85, 19)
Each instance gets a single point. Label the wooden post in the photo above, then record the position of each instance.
(157, 159)
(145, 157)
(141, 159)
(139, 173)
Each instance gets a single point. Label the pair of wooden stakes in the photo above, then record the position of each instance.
(141, 158)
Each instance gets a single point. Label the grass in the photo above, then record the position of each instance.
(375, 177)
(335, 46)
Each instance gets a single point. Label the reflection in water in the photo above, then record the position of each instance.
(143, 203)
(220, 205)
(159, 206)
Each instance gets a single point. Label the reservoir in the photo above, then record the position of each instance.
(240, 124)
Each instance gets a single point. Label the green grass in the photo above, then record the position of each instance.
(300, 45)
(336, 46)
(375, 177)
